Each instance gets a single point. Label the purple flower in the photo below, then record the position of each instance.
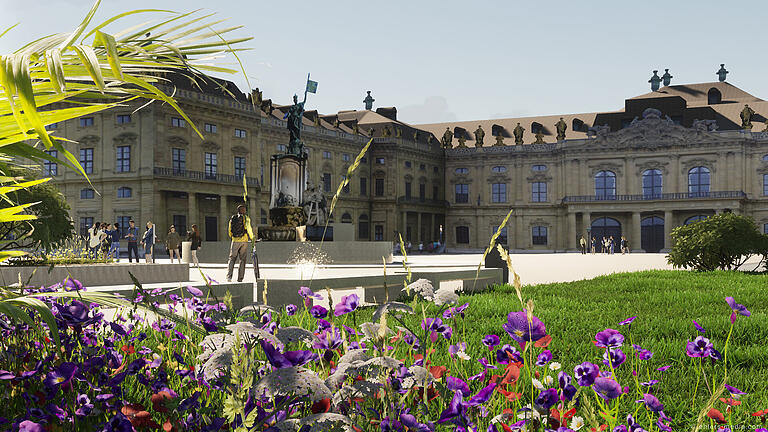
(454, 349)
(519, 329)
(287, 359)
(118, 423)
(456, 408)
(61, 375)
(194, 291)
(306, 293)
(568, 389)
(328, 339)
(628, 321)
(586, 373)
(291, 309)
(699, 327)
(435, 325)
(642, 354)
(546, 399)
(30, 426)
(490, 341)
(650, 383)
(544, 358)
(737, 309)
(508, 354)
(615, 357)
(482, 396)
(663, 368)
(318, 311)
(607, 388)
(456, 384)
(73, 285)
(609, 338)
(734, 391)
(699, 347)
(75, 313)
(347, 305)
(651, 402)
(322, 325)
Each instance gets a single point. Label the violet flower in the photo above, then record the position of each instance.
(607, 388)
(519, 329)
(490, 341)
(508, 354)
(546, 399)
(348, 304)
(699, 347)
(75, 313)
(287, 359)
(544, 358)
(609, 338)
(456, 384)
(734, 391)
(482, 396)
(736, 309)
(615, 357)
(699, 327)
(642, 354)
(306, 293)
(586, 373)
(628, 321)
(291, 309)
(651, 402)
(318, 311)
(62, 375)
(197, 292)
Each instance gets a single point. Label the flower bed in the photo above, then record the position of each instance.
(432, 363)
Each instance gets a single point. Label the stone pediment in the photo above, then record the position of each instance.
(652, 132)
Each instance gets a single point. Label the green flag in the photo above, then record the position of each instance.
(311, 86)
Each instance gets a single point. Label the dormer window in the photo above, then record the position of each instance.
(462, 170)
(714, 96)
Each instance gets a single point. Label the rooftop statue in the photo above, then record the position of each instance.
(561, 127)
(295, 115)
(666, 78)
(518, 133)
(746, 117)
(387, 131)
(479, 136)
(499, 139)
(398, 133)
(415, 136)
(447, 140)
(368, 101)
(721, 73)
(539, 137)
(462, 141)
(655, 80)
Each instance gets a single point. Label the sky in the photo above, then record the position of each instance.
(446, 60)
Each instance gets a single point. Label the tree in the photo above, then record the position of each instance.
(724, 241)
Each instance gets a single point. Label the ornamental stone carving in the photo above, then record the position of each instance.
(649, 165)
(126, 139)
(240, 150)
(177, 141)
(605, 166)
(89, 140)
(707, 163)
(210, 146)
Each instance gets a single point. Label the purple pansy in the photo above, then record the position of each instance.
(508, 354)
(651, 402)
(287, 359)
(73, 285)
(586, 373)
(607, 388)
(291, 309)
(734, 391)
(544, 358)
(30, 426)
(456, 384)
(609, 338)
(306, 293)
(699, 327)
(490, 341)
(519, 329)
(614, 357)
(546, 399)
(736, 309)
(699, 347)
(482, 396)
(75, 313)
(197, 292)
(348, 304)
(61, 375)
(318, 311)
(642, 354)
(627, 321)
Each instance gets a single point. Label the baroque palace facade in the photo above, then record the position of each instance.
(675, 155)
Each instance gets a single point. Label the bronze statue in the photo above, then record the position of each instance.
(447, 140)
(371, 131)
(518, 133)
(539, 137)
(368, 101)
(746, 117)
(387, 131)
(561, 127)
(355, 128)
(479, 136)
(499, 139)
(295, 115)
(462, 141)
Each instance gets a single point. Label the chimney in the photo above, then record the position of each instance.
(390, 113)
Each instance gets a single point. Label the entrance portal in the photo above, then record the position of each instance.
(652, 233)
(606, 227)
(211, 229)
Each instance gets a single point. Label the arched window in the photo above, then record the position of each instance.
(362, 227)
(652, 183)
(698, 181)
(124, 192)
(462, 170)
(765, 158)
(346, 218)
(539, 168)
(714, 96)
(87, 193)
(696, 218)
(605, 184)
(499, 169)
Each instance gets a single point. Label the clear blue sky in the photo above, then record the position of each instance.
(449, 60)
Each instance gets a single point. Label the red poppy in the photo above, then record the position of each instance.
(438, 371)
(506, 428)
(160, 400)
(730, 401)
(762, 413)
(169, 427)
(511, 374)
(716, 415)
(321, 406)
(510, 395)
(138, 416)
(543, 342)
(128, 349)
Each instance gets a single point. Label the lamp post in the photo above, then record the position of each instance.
(440, 238)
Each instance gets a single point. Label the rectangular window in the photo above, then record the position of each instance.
(85, 224)
(87, 193)
(86, 160)
(53, 126)
(502, 238)
(462, 193)
(378, 234)
(211, 128)
(346, 157)
(326, 182)
(179, 160)
(362, 228)
(240, 133)
(379, 187)
(435, 193)
(123, 119)
(326, 155)
(539, 235)
(407, 164)
(180, 223)
(499, 192)
(422, 192)
(239, 167)
(407, 190)
(539, 192)
(282, 147)
(462, 234)
(765, 228)
(211, 165)
(124, 192)
(422, 167)
(380, 161)
(86, 121)
(178, 122)
(363, 186)
(765, 184)
(436, 170)
(51, 169)
(124, 222)
(123, 159)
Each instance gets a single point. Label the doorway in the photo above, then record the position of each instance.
(606, 227)
(652, 234)
(211, 229)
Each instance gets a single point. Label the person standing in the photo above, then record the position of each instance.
(611, 244)
(594, 245)
(105, 239)
(114, 242)
(173, 242)
(194, 237)
(583, 245)
(94, 240)
(133, 239)
(148, 241)
(623, 245)
(241, 233)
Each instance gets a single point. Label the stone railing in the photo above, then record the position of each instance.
(657, 197)
(203, 176)
(417, 200)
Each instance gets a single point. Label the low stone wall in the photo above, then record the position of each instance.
(96, 274)
(377, 289)
(242, 293)
(337, 252)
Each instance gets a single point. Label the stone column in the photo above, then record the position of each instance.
(224, 213)
(587, 221)
(667, 229)
(570, 240)
(636, 240)
(418, 227)
(405, 226)
(432, 229)
(672, 185)
(192, 211)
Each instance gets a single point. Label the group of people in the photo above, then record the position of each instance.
(105, 238)
(606, 245)
(421, 247)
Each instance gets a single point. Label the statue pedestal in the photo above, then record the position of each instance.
(315, 233)
(288, 179)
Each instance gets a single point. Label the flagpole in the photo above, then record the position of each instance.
(305, 89)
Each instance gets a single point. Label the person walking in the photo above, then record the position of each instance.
(148, 242)
(594, 245)
(173, 243)
(241, 233)
(105, 239)
(611, 244)
(114, 242)
(94, 240)
(583, 245)
(194, 237)
(623, 245)
(133, 239)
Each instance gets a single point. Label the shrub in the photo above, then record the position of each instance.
(724, 241)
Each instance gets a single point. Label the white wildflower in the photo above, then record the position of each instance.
(536, 383)
(445, 296)
(462, 355)
(555, 366)
(422, 287)
(577, 423)
(548, 380)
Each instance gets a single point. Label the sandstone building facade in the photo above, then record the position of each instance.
(670, 157)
